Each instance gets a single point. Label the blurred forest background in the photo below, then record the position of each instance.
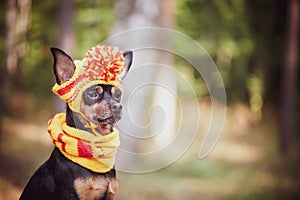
(255, 46)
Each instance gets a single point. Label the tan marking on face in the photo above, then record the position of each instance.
(92, 187)
(103, 110)
(99, 89)
(116, 93)
(113, 90)
(89, 112)
(104, 129)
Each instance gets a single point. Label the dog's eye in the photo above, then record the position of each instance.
(116, 93)
(93, 95)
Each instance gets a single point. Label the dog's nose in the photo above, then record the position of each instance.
(116, 106)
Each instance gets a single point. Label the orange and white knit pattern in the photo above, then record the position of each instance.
(101, 65)
(94, 152)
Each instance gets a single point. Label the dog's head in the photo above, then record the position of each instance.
(92, 89)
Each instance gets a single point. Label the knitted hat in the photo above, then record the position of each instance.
(101, 65)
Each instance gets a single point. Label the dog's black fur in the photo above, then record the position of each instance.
(59, 178)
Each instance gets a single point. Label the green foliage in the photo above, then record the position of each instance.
(2, 33)
(222, 28)
(37, 67)
(238, 36)
(92, 21)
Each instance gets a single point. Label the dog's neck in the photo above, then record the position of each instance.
(69, 117)
(77, 121)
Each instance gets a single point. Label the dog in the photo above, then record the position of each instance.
(93, 108)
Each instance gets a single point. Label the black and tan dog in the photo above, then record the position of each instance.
(93, 100)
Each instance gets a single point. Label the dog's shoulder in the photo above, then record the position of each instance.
(41, 185)
(59, 174)
(44, 182)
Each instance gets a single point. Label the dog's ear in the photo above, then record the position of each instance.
(128, 55)
(64, 66)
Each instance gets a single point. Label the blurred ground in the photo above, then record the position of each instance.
(244, 164)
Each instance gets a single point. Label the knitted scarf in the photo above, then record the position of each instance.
(94, 152)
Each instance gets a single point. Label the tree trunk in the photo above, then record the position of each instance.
(289, 77)
(65, 19)
(65, 38)
(149, 107)
(165, 99)
(135, 122)
(17, 21)
(10, 65)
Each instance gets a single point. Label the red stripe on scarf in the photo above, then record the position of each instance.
(84, 150)
(63, 144)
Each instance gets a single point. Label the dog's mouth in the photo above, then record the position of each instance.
(108, 120)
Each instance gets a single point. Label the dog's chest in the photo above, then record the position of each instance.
(95, 187)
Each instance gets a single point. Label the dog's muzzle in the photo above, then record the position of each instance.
(108, 114)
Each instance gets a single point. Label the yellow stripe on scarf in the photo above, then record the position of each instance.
(96, 153)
